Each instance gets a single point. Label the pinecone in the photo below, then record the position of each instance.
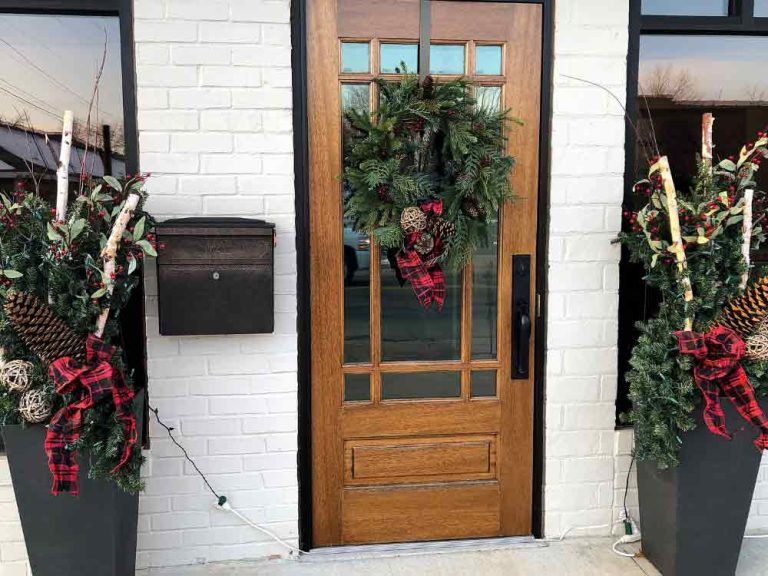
(471, 208)
(41, 329)
(425, 244)
(743, 314)
(428, 87)
(442, 229)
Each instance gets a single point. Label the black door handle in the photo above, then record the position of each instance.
(521, 308)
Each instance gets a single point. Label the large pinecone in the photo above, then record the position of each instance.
(743, 314)
(41, 329)
(443, 229)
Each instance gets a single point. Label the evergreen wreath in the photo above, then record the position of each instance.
(425, 177)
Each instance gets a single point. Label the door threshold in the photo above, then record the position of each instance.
(364, 551)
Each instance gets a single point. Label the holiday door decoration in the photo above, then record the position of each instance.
(66, 274)
(427, 174)
(694, 247)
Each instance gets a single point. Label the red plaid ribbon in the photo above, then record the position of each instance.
(90, 383)
(718, 355)
(428, 282)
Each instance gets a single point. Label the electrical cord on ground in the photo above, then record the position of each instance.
(222, 503)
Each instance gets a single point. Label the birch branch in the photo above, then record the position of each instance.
(746, 246)
(707, 145)
(62, 173)
(677, 248)
(109, 254)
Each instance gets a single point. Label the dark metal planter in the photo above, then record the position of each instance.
(93, 534)
(693, 517)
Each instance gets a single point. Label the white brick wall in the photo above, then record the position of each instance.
(587, 182)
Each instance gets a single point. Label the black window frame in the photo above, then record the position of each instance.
(740, 22)
(133, 317)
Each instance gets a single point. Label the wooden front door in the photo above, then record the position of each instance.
(422, 427)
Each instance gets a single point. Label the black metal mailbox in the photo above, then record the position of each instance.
(216, 276)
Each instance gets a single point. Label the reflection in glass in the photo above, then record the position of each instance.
(408, 331)
(761, 8)
(446, 59)
(484, 291)
(483, 384)
(393, 56)
(357, 254)
(48, 65)
(488, 97)
(685, 7)
(488, 60)
(357, 388)
(420, 385)
(355, 57)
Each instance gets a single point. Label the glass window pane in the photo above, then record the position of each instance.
(357, 254)
(48, 65)
(393, 56)
(488, 97)
(483, 384)
(446, 59)
(420, 385)
(761, 8)
(488, 60)
(357, 388)
(484, 297)
(685, 7)
(355, 57)
(408, 331)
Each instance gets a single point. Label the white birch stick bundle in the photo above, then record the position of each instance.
(62, 173)
(109, 254)
(749, 196)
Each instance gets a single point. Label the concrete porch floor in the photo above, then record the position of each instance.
(575, 557)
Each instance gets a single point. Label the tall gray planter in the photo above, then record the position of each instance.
(693, 517)
(93, 534)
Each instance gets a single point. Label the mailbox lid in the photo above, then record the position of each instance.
(208, 226)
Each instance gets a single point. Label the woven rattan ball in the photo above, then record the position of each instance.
(16, 375)
(413, 220)
(757, 344)
(35, 406)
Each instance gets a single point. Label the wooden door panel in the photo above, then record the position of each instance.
(419, 513)
(420, 460)
(393, 470)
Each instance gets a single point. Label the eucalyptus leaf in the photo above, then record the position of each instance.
(113, 183)
(53, 234)
(146, 247)
(138, 230)
(12, 274)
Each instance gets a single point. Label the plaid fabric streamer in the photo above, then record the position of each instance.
(91, 383)
(428, 282)
(718, 355)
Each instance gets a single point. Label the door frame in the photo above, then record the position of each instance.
(304, 321)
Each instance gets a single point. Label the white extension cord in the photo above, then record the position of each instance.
(225, 507)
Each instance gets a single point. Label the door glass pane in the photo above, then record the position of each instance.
(484, 291)
(446, 59)
(49, 63)
(408, 331)
(761, 8)
(357, 254)
(357, 388)
(355, 57)
(685, 7)
(488, 97)
(393, 56)
(420, 385)
(483, 384)
(488, 60)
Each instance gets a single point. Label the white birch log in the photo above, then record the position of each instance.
(109, 254)
(707, 123)
(746, 246)
(677, 248)
(62, 173)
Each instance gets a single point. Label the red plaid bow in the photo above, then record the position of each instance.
(90, 383)
(428, 282)
(718, 368)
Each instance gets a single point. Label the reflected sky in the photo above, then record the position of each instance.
(49, 64)
(686, 7)
(704, 67)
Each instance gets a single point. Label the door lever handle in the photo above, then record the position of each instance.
(521, 308)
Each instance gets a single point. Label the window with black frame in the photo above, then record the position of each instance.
(687, 57)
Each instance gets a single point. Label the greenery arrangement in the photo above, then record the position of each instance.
(427, 172)
(62, 263)
(662, 385)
